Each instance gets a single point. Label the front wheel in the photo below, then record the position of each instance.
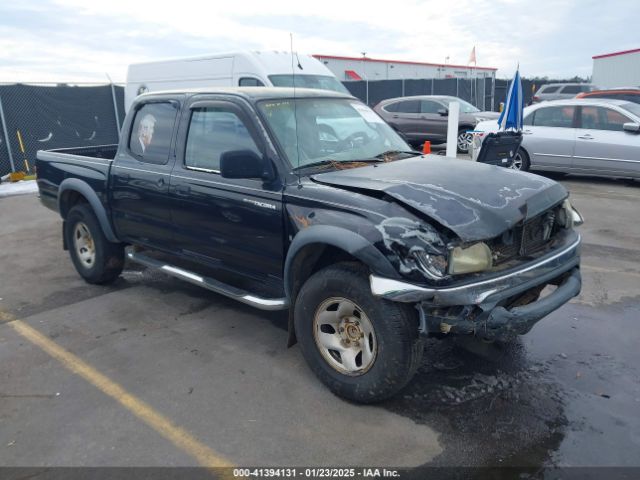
(363, 348)
(521, 161)
(464, 141)
(96, 259)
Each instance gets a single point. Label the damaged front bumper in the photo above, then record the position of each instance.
(495, 307)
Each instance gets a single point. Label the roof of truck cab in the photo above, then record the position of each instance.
(254, 93)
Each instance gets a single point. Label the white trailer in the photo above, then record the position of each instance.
(250, 69)
(617, 69)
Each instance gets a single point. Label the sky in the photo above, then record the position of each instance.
(84, 41)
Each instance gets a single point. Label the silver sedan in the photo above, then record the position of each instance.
(584, 136)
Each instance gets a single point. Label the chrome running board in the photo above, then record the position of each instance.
(210, 283)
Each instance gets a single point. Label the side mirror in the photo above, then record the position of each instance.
(242, 164)
(631, 127)
(443, 112)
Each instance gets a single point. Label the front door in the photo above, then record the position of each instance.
(602, 145)
(234, 224)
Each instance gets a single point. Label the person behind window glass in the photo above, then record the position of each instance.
(145, 131)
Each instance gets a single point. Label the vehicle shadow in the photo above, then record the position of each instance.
(492, 404)
(590, 179)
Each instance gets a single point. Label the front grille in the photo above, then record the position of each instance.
(526, 239)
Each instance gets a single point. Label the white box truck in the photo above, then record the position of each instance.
(248, 69)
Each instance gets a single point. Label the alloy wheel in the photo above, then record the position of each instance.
(517, 161)
(464, 141)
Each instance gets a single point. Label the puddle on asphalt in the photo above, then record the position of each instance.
(491, 405)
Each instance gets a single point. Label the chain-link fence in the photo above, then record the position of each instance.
(479, 91)
(42, 117)
(485, 93)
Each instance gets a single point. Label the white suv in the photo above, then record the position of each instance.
(561, 91)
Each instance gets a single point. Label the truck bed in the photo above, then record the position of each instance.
(100, 151)
(89, 164)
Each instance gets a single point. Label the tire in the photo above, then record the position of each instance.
(463, 140)
(96, 259)
(388, 335)
(521, 161)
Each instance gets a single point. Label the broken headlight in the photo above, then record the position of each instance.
(433, 266)
(568, 217)
(475, 258)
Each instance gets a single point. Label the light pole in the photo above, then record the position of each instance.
(366, 78)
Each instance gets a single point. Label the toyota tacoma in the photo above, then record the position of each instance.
(307, 201)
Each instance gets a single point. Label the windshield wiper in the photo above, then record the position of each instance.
(332, 162)
(398, 152)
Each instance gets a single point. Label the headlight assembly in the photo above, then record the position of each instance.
(475, 258)
(569, 216)
(433, 266)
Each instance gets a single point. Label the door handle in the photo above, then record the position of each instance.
(586, 137)
(395, 116)
(160, 182)
(183, 190)
(527, 132)
(124, 176)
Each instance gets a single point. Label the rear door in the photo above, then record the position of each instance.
(602, 146)
(549, 139)
(570, 91)
(548, 92)
(405, 116)
(234, 224)
(140, 176)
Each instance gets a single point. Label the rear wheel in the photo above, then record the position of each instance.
(96, 259)
(363, 348)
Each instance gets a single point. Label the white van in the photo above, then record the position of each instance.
(245, 69)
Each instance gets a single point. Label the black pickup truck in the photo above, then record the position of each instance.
(306, 200)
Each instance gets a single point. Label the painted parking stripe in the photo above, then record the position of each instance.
(161, 424)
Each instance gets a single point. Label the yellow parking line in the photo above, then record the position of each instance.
(161, 424)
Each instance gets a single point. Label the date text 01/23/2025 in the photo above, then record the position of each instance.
(315, 472)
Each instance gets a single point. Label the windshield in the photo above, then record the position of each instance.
(321, 82)
(465, 107)
(329, 129)
(632, 107)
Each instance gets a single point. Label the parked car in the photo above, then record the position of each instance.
(627, 94)
(424, 117)
(586, 136)
(254, 194)
(561, 91)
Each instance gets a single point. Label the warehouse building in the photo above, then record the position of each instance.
(364, 68)
(617, 69)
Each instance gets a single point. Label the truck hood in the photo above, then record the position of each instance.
(475, 201)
